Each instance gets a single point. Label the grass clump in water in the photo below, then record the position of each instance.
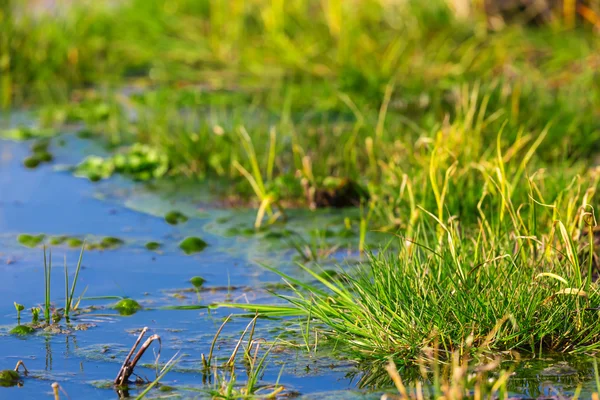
(524, 269)
(191, 245)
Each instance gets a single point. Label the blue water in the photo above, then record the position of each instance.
(56, 203)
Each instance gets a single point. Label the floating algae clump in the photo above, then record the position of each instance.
(197, 281)
(175, 217)
(31, 162)
(127, 306)
(30, 240)
(153, 245)
(192, 244)
(22, 330)
(74, 242)
(110, 242)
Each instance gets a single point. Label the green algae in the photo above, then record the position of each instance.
(22, 330)
(127, 306)
(175, 217)
(197, 281)
(56, 240)
(9, 378)
(191, 245)
(31, 162)
(30, 240)
(74, 242)
(110, 242)
(153, 246)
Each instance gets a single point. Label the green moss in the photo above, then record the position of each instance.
(166, 388)
(197, 281)
(175, 217)
(127, 306)
(153, 245)
(192, 244)
(110, 242)
(30, 240)
(22, 330)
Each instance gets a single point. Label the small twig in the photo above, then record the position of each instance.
(127, 368)
(21, 364)
(239, 343)
(118, 379)
(143, 349)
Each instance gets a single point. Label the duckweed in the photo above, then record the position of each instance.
(191, 245)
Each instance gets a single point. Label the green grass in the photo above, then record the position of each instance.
(520, 274)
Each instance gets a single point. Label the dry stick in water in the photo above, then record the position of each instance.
(128, 367)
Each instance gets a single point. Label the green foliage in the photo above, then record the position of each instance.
(139, 161)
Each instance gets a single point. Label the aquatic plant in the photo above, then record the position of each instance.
(175, 217)
(197, 281)
(30, 240)
(226, 384)
(19, 308)
(11, 377)
(521, 264)
(47, 277)
(127, 306)
(191, 245)
(153, 246)
(70, 294)
(140, 162)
